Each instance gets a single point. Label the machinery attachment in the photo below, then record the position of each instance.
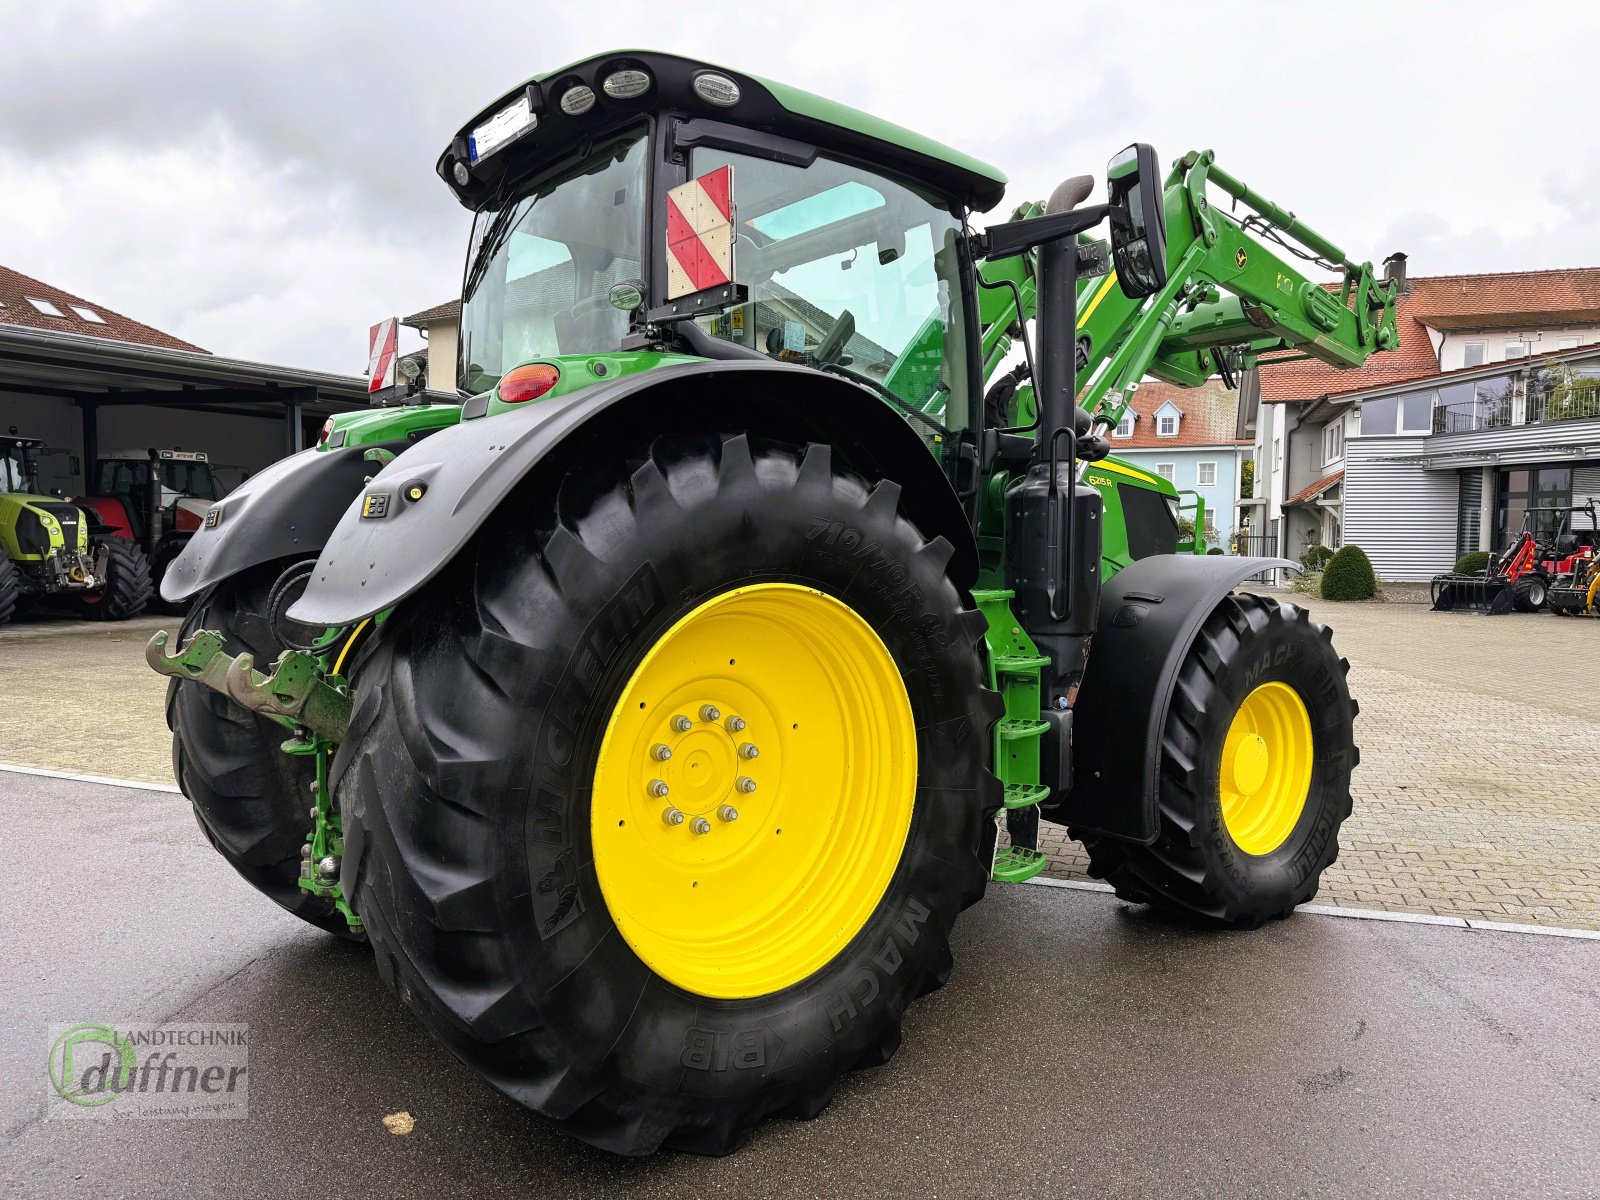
(1488, 593)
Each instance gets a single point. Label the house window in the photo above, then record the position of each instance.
(1166, 425)
(1472, 354)
(1333, 441)
(88, 314)
(1518, 349)
(1566, 343)
(1165, 471)
(1416, 412)
(1205, 474)
(44, 306)
(1124, 426)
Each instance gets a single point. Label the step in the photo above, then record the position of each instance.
(1019, 664)
(1017, 865)
(992, 595)
(1014, 729)
(1025, 795)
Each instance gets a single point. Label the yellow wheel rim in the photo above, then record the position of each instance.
(754, 791)
(1266, 768)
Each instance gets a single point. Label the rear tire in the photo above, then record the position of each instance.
(10, 589)
(166, 550)
(252, 801)
(469, 787)
(1196, 868)
(1531, 592)
(127, 588)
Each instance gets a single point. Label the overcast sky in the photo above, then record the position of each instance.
(258, 178)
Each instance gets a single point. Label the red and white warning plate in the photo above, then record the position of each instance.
(700, 233)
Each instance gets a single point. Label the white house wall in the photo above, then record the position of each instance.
(1403, 516)
(1453, 352)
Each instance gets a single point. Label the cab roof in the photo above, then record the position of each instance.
(761, 104)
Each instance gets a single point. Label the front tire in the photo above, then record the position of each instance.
(503, 745)
(127, 588)
(10, 589)
(252, 801)
(1531, 592)
(1256, 756)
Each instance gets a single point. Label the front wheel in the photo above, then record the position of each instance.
(10, 589)
(1530, 593)
(662, 801)
(127, 586)
(1256, 755)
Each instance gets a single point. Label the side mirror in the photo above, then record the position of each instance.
(1138, 221)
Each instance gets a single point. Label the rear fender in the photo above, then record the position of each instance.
(429, 502)
(287, 509)
(1150, 613)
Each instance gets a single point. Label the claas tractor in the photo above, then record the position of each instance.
(650, 711)
(53, 552)
(1548, 552)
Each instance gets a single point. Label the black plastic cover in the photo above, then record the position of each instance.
(1150, 613)
(287, 509)
(389, 545)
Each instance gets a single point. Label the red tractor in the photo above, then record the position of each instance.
(157, 498)
(1548, 552)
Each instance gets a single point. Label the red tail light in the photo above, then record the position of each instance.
(327, 432)
(527, 383)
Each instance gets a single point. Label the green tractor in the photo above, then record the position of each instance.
(651, 711)
(51, 552)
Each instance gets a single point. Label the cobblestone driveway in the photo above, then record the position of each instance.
(1478, 793)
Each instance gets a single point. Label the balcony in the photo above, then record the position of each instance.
(1532, 395)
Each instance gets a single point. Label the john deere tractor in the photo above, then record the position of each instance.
(51, 552)
(650, 711)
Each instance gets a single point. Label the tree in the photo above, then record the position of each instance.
(1247, 479)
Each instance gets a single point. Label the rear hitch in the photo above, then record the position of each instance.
(293, 693)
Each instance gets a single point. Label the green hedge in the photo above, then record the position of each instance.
(1348, 576)
(1472, 564)
(1316, 558)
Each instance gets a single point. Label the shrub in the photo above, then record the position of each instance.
(1348, 576)
(1472, 564)
(1316, 558)
(1306, 583)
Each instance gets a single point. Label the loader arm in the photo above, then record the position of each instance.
(1235, 293)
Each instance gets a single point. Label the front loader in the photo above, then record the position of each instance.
(650, 711)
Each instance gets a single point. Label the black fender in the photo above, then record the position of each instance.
(1150, 613)
(287, 509)
(429, 502)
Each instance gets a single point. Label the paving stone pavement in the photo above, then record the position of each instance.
(1478, 793)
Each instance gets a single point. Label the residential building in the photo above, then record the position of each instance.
(1489, 407)
(438, 325)
(1189, 436)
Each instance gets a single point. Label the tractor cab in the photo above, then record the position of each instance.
(17, 464)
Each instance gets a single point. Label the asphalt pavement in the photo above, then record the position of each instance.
(1083, 1047)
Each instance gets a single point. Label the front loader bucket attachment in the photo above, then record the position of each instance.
(1472, 593)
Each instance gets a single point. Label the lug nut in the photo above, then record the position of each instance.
(313, 787)
(660, 753)
(728, 812)
(657, 788)
(701, 825)
(313, 812)
(746, 784)
(681, 724)
(328, 867)
(735, 724)
(672, 817)
(748, 751)
(710, 712)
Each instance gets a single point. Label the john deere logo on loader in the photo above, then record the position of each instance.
(1240, 257)
(376, 506)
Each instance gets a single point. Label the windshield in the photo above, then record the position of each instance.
(124, 476)
(850, 272)
(12, 478)
(539, 268)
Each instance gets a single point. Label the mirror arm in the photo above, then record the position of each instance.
(1017, 237)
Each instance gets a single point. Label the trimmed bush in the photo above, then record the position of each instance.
(1472, 564)
(1316, 558)
(1348, 576)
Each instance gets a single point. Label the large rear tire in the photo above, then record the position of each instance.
(644, 983)
(1256, 756)
(1531, 592)
(127, 588)
(252, 801)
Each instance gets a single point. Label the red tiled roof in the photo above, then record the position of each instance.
(1210, 413)
(1316, 489)
(16, 289)
(1515, 299)
(450, 310)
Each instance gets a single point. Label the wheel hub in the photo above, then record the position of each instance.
(1265, 775)
(754, 790)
